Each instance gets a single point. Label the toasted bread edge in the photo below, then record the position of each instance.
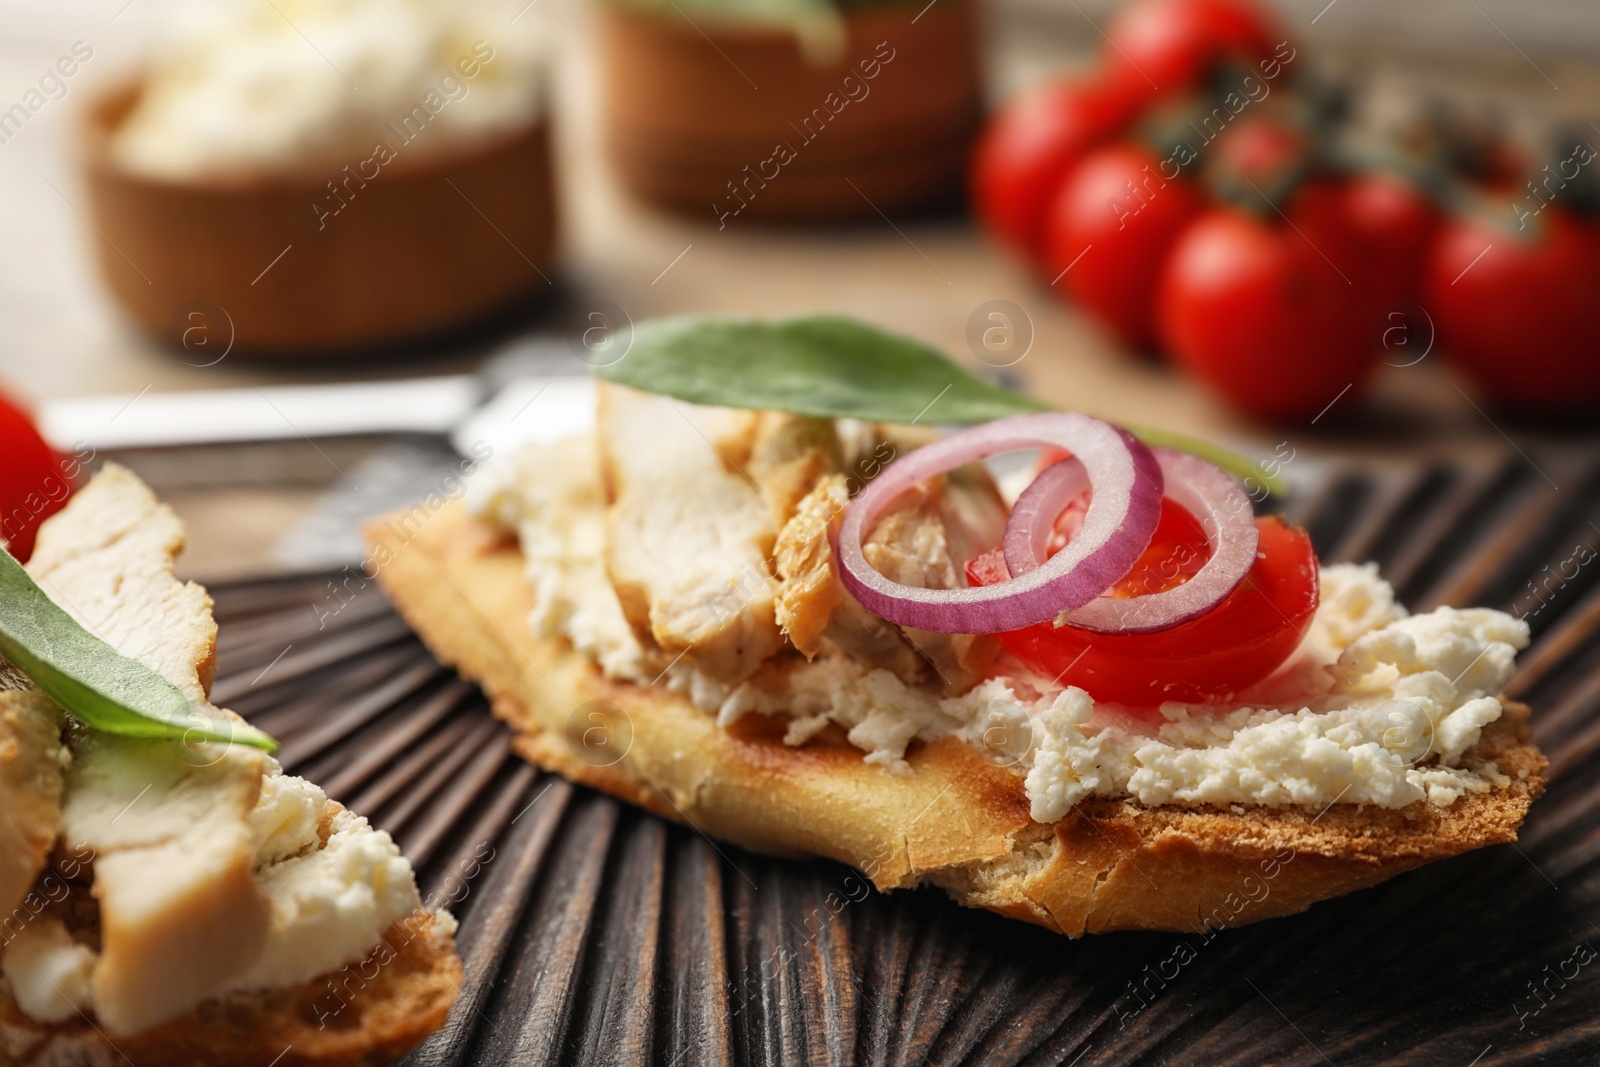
(371, 1012)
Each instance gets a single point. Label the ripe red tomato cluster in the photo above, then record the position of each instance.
(1187, 198)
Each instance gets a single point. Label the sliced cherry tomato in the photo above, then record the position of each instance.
(1177, 549)
(1029, 146)
(1111, 225)
(1517, 309)
(1271, 313)
(1160, 48)
(1205, 660)
(32, 485)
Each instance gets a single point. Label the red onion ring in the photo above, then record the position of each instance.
(1215, 500)
(1116, 529)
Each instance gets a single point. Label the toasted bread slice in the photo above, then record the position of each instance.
(957, 821)
(371, 1012)
(110, 552)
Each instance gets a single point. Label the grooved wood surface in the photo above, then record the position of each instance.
(594, 933)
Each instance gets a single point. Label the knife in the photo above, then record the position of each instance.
(534, 389)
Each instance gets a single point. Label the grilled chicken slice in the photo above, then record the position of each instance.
(813, 607)
(31, 759)
(925, 540)
(789, 457)
(688, 534)
(798, 463)
(168, 823)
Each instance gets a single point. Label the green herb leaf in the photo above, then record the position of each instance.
(835, 367)
(1235, 464)
(97, 684)
(823, 365)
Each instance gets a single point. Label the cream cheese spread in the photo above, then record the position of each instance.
(331, 905)
(51, 975)
(1377, 707)
(267, 86)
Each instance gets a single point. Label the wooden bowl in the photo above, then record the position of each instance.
(730, 121)
(315, 263)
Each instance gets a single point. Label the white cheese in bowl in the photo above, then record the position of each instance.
(259, 87)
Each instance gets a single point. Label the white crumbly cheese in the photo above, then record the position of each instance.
(264, 86)
(50, 974)
(331, 907)
(1403, 704)
(1376, 707)
(549, 495)
(1385, 723)
(286, 818)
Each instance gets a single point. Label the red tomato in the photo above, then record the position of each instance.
(1270, 314)
(1029, 146)
(1518, 310)
(1262, 149)
(32, 486)
(1229, 648)
(1177, 549)
(1398, 223)
(1112, 223)
(1391, 220)
(1470, 147)
(1164, 47)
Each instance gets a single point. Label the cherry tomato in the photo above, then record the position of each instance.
(1388, 218)
(1259, 150)
(1205, 660)
(1110, 228)
(1177, 549)
(1029, 146)
(1160, 48)
(32, 485)
(1397, 223)
(1517, 310)
(1468, 146)
(1268, 311)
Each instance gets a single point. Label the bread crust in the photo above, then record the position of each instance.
(372, 1012)
(957, 821)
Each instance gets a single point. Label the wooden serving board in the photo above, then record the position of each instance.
(594, 933)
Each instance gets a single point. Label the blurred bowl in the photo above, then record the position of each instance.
(428, 244)
(697, 114)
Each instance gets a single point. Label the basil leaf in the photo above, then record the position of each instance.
(820, 365)
(834, 367)
(97, 684)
